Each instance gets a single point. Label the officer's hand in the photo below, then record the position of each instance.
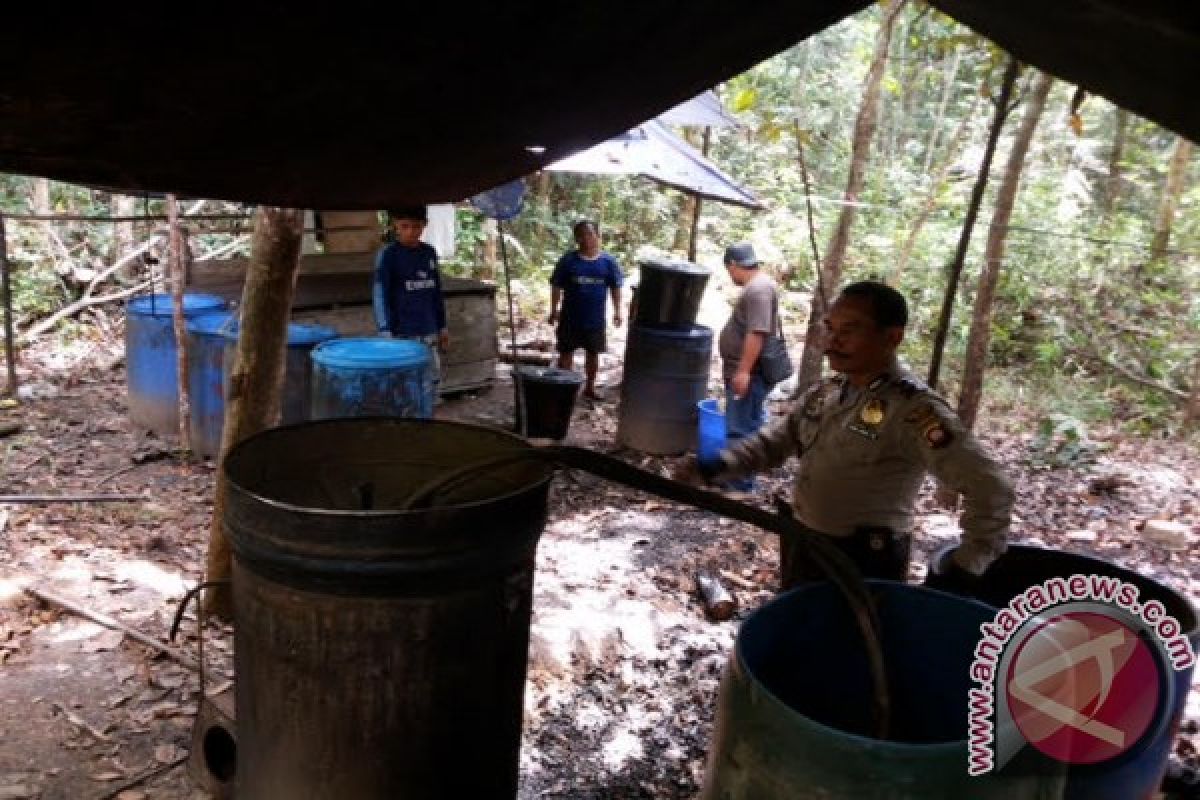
(741, 384)
(947, 575)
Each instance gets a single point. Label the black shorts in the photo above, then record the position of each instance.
(571, 339)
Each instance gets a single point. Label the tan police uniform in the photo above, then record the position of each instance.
(864, 454)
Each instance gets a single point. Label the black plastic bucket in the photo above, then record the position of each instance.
(549, 396)
(380, 653)
(1138, 772)
(669, 293)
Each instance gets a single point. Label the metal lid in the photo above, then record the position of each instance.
(367, 353)
(674, 265)
(565, 377)
(161, 305)
(657, 332)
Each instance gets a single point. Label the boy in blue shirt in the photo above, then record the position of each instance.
(408, 287)
(580, 281)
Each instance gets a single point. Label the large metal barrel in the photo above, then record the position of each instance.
(669, 293)
(795, 721)
(372, 377)
(666, 375)
(380, 653)
(1138, 772)
(470, 361)
(151, 357)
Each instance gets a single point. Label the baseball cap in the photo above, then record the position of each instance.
(741, 254)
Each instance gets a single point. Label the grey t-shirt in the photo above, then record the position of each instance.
(754, 310)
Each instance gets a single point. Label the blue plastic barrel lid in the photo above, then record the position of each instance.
(212, 324)
(371, 353)
(162, 305)
(301, 335)
(550, 375)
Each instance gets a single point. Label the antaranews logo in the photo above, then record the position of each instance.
(1078, 667)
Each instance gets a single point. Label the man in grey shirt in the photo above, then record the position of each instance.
(742, 341)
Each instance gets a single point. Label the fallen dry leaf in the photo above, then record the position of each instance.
(105, 640)
(107, 776)
(167, 753)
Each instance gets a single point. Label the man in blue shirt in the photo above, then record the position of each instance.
(580, 281)
(408, 287)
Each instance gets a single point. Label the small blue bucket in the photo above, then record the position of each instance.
(712, 437)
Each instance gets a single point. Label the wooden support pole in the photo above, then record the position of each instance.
(10, 352)
(175, 268)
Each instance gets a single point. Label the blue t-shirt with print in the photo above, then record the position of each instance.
(408, 291)
(584, 282)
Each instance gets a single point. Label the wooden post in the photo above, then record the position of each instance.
(256, 385)
(10, 352)
(694, 233)
(175, 269)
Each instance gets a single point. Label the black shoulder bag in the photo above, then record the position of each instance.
(774, 363)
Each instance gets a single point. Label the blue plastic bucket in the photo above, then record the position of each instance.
(151, 357)
(712, 438)
(795, 719)
(372, 377)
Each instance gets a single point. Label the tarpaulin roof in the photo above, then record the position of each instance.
(653, 151)
(703, 110)
(364, 105)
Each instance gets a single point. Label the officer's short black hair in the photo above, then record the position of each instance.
(888, 307)
(418, 213)
(585, 223)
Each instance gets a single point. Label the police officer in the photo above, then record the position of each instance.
(865, 439)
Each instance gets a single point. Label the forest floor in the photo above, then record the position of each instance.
(624, 665)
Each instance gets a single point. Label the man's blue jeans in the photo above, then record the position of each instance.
(743, 416)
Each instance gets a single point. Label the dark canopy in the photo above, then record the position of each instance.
(355, 105)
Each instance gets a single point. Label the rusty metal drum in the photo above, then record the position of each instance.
(380, 652)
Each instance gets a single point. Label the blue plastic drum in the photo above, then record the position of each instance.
(151, 357)
(212, 347)
(206, 379)
(372, 377)
(297, 377)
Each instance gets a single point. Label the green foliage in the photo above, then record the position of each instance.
(1061, 441)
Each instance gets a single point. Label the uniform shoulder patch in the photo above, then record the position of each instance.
(929, 425)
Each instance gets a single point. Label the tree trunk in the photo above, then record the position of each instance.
(964, 239)
(1112, 184)
(1191, 415)
(931, 197)
(124, 235)
(1172, 191)
(835, 254)
(947, 90)
(39, 196)
(256, 384)
(993, 255)
(490, 239)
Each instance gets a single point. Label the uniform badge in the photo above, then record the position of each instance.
(872, 412)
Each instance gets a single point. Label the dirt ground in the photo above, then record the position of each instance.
(624, 666)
